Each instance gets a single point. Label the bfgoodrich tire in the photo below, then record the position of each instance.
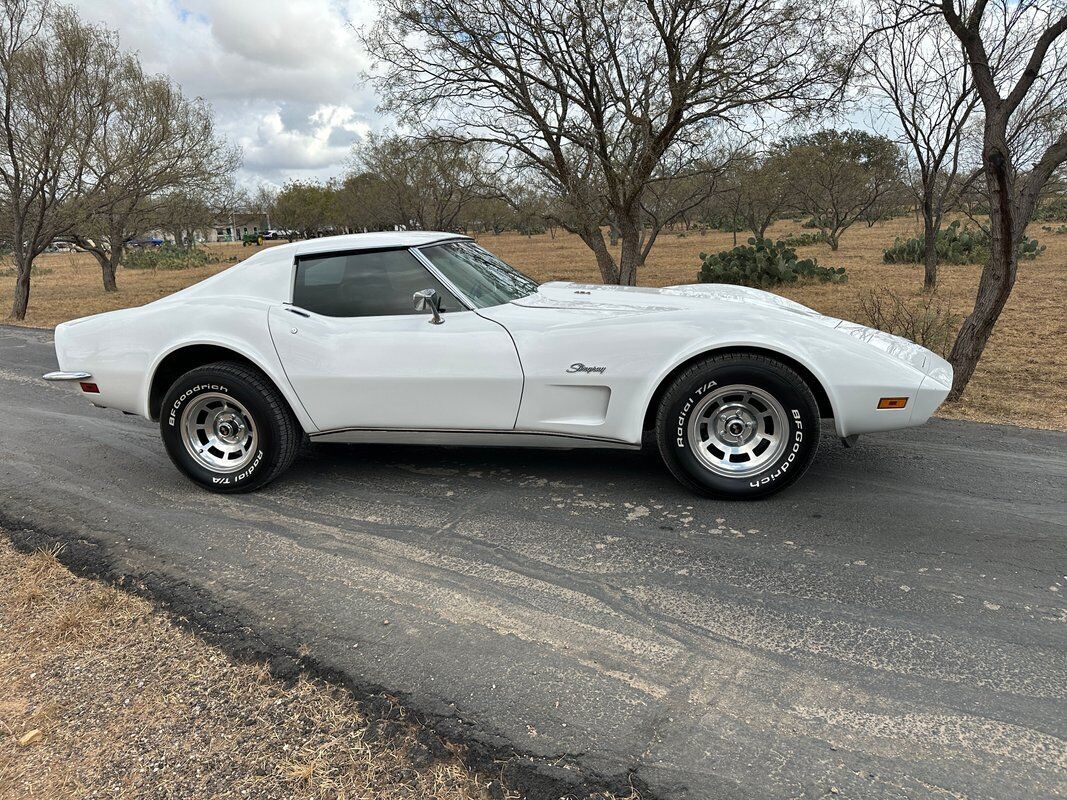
(228, 428)
(738, 426)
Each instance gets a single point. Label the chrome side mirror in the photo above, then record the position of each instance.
(429, 299)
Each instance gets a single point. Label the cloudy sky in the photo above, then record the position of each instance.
(282, 75)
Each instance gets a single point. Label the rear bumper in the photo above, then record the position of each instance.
(66, 376)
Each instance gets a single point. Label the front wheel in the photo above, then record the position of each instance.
(738, 426)
(228, 428)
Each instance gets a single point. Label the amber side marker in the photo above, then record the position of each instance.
(893, 402)
(90, 388)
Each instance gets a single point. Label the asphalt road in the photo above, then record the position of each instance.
(894, 626)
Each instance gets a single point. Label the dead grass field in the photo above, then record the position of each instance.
(1021, 380)
(104, 697)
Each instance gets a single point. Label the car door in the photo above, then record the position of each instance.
(359, 356)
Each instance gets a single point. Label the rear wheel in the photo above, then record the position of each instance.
(738, 426)
(228, 428)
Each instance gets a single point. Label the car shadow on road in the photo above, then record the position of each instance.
(641, 470)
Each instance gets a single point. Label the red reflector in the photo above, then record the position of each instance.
(90, 388)
(893, 402)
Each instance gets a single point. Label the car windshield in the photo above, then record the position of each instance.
(481, 276)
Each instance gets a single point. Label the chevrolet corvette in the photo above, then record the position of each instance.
(427, 338)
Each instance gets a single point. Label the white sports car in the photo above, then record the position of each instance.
(427, 338)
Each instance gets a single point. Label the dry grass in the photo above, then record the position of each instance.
(1022, 378)
(103, 697)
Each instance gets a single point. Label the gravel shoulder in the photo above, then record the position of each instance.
(105, 696)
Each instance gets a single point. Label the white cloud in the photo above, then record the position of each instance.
(282, 75)
(323, 145)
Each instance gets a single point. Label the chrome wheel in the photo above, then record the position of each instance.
(219, 432)
(737, 431)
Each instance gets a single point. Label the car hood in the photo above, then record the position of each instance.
(593, 297)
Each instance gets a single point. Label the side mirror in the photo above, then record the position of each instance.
(429, 299)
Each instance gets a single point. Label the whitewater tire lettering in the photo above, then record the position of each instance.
(689, 403)
(251, 467)
(172, 417)
(798, 438)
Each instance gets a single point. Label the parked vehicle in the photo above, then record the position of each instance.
(426, 338)
(61, 247)
(148, 241)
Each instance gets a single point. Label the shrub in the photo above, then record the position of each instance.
(805, 239)
(764, 263)
(724, 223)
(927, 320)
(955, 245)
(1057, 229)
(1054, 210)
(168, 256)
(35, 271)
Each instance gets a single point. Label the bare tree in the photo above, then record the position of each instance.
(263, 200)
(758, 191)
(154, 142)
(593, 96)
(182, 214)
(428, 181)
(307, 207)
(1018, 60)
(838, 176)
(57, 80)
(920, 69)
(363, 202)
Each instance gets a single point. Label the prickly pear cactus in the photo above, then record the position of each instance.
(955, 245)
(763, 263)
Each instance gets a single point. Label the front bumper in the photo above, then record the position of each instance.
(929, 396)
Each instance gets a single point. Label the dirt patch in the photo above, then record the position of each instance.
(106, 697)
(1021, 380)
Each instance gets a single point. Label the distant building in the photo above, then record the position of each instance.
(237, 227)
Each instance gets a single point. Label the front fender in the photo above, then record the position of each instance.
(853, 373)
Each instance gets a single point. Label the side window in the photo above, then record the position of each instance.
(365, 284)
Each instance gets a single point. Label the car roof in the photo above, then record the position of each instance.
(268, 273)
(369, 241)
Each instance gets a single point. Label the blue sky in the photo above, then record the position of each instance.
(282, 75)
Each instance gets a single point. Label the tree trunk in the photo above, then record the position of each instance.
(630, 257)
(22, 287)
(998, 277)
(113, 262)
(108, 266)
(929, 246)
(832, 238)
(594, 239)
